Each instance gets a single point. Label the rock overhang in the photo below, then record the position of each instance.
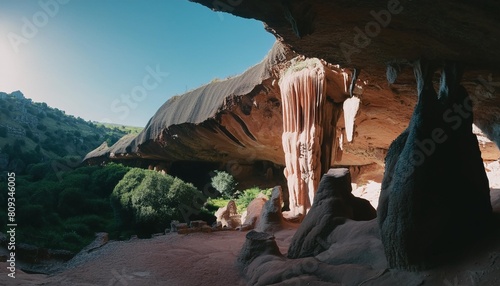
(246, 119)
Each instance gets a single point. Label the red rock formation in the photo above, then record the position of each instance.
(309, 126)
(236, 121)
(381, 38)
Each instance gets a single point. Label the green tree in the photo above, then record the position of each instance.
(41, 127)
(38, 171)
(19, 142)
(146, 201)
(30, 134)
(224, 183)
(3, 131)
(248, 195)
(76, 179)
(71, 202)
(44, 192)
(106, 178)
(32, 215)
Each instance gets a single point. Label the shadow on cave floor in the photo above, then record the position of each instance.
(478, 263)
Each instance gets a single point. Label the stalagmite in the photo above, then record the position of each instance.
(309, 122)
(351, 106)
(434, 203)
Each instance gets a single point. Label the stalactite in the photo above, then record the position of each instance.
(351, 106)
(341, 142)
(355, 74)
(309, 122)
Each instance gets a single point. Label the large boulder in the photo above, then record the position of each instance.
(253, 212)
(271, 218)
(333, 204)
(228, 216)
(257, 244)
(435, 194)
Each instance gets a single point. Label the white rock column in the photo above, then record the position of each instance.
(308, 118)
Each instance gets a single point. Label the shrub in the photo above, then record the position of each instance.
(71, 238)
(78, 228)
(214, 204)
(70, 202)
(31, 215)
(75, 179)
(19, 142)
(41, 127)
(147, 201)
(30, 135)
(249, 195)
(224, 183)
(45, 193)
(242, 201)
(3, 131)
(92, 221)
(98, 206)
(105, 179)
(38, 171)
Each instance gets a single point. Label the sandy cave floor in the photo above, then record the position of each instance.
(172, 259)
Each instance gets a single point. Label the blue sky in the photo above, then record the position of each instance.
(119, 60)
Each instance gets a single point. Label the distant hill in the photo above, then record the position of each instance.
(32, 132)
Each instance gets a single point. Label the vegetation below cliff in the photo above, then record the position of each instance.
(32, 133)
(60, 204)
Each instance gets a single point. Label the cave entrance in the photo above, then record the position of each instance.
(194, 172)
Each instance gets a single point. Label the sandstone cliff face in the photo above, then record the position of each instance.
(235, 120)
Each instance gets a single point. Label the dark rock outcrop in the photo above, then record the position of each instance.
(257, 244)
(271, 218)
(355, 243)
(435, 194)
(333, 204)
(355, 258)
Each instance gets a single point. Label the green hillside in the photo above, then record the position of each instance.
(32, 132)
(59, 203)
(126, 129)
